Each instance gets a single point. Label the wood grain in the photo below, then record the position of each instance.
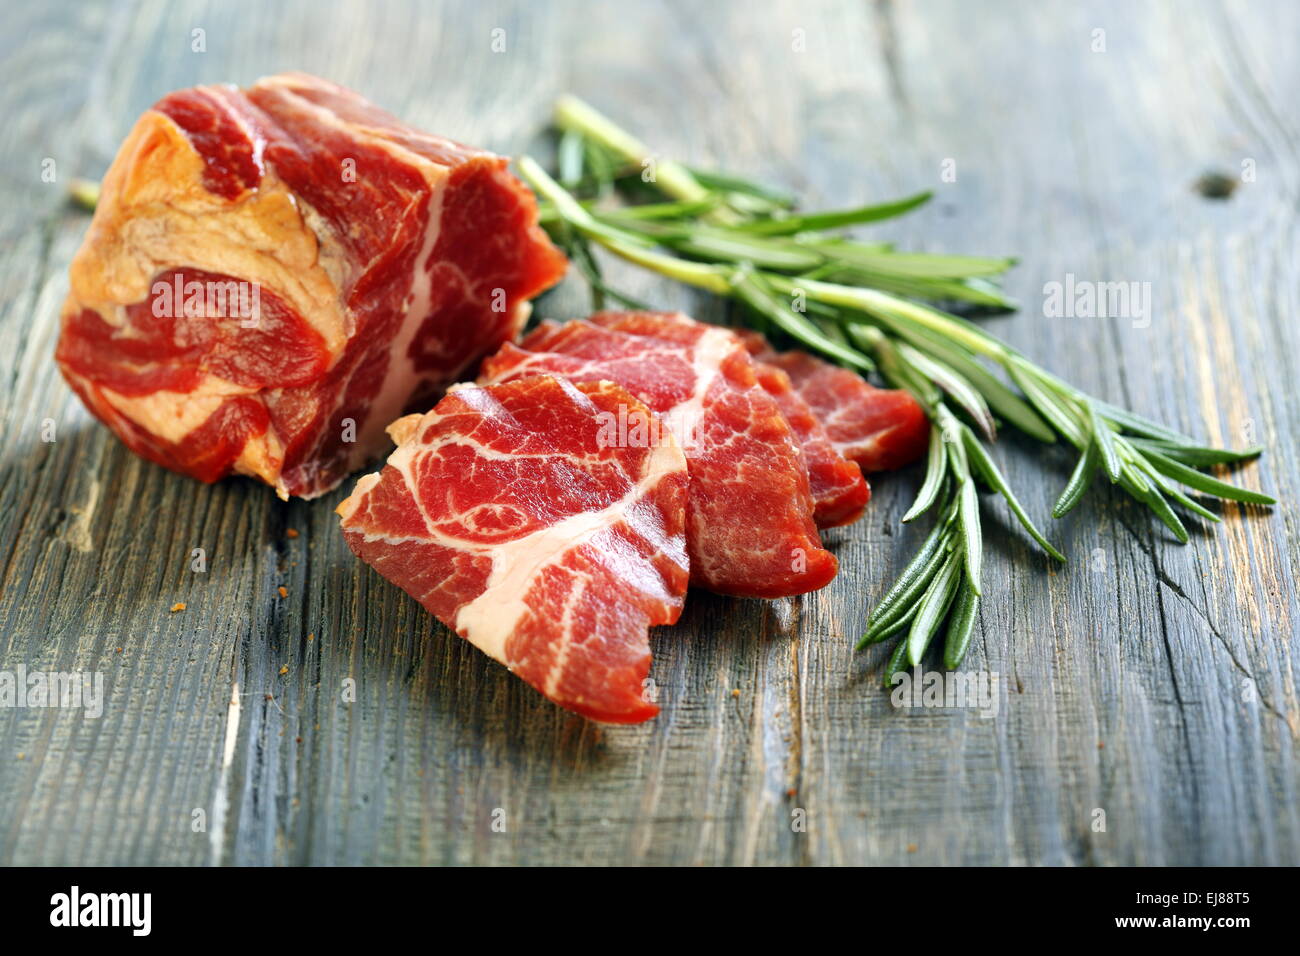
(340, 724)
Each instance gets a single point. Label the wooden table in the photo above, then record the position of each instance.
(1148, 686)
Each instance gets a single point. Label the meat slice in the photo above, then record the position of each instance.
(274, 274)
(750, 530)
(508, 514)
(879, 428)
(839, 492)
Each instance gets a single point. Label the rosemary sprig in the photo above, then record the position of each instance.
(866, 305)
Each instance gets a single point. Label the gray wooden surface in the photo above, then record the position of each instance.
(1153, 682)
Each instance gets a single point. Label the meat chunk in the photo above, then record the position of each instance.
(750, 529)
(508, 513)
(275, 274)
(879, 428)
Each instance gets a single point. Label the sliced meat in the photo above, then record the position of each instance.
(839, 491)
(508, 515)
(750, 530)
(879, 428)
(275, 274)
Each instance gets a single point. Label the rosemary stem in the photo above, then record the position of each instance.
(874, 301)
(711, 278)
(671, 177)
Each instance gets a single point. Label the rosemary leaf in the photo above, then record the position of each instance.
(961, 622)
(896, 663)
(1137, 425)
(1048, 405)
(936, 469)
(820, 221)
(968, 515)
(1202, 482)
(1104, 439)
(918, 265)
(1197, 456)
(570, 159)
(754, 293)
(731, 183)
(1170, 490)
(888, 629)
(603, 169)
(933, 607)
(680, 209)
(580, 252)
(910, 582)
(1079, 481)
(1001, 400)
(739, 249)
(958, 388)
(1166, 514)
(975, 291)
(1190, 504)
(987, 470)
(895, 367)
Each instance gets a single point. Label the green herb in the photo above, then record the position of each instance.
(867, 306)
(84, 193)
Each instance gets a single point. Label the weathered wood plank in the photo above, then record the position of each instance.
(1152, 682)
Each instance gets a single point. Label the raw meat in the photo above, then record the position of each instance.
(508, 513)
(879, 428)
(275, 274)
(750, 530)
(839, 491)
